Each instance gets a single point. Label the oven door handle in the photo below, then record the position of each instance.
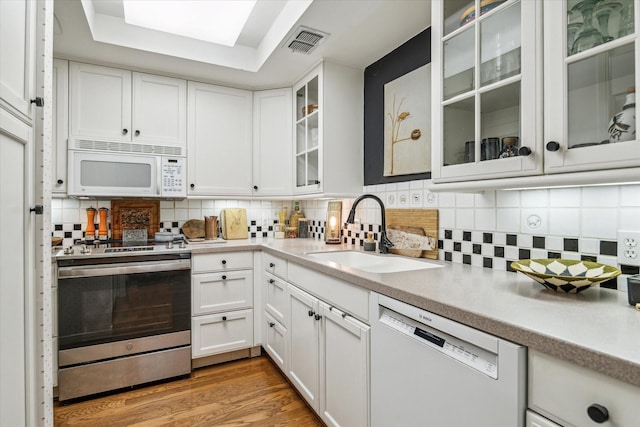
(123, 268)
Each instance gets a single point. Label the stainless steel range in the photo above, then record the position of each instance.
(124, 317)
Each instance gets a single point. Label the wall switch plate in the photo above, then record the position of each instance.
(629, 247)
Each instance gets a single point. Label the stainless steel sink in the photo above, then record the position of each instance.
(374, 263)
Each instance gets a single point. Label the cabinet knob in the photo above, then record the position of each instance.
(255, 188)
(125, 131)
(271, 324)
(39, 101)
(598, 413)
(224, 277)
(137, 132)
(316, 181)
(553, 146)
(224, 317)
(224, 262)
(318, 317)
(344, 315)
(271, 265)
(272, 281)
(524, 151)
(60, 182)
(311, 313)
(192, 186)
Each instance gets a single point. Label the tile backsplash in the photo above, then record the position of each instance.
(488, 229)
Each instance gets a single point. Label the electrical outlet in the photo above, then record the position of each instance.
(629, 247)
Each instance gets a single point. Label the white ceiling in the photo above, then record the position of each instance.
(361, 32)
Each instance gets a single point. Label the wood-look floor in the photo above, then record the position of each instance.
(248, 392)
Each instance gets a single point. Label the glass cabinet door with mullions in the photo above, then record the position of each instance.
(591, 52)
(307, 163)
(486, 115)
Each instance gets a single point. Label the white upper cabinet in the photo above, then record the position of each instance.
(117, 105)
(17, 20)
(328, 135)
(272, 139)
(486, 79)
(591, 72)
(60, 123)
(219, 141)
(159, 110)
(565, 97)
(99, 102)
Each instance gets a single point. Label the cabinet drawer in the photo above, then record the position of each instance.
(276, 266)
(223, 291)
(275, 298)
(202, 263)
(221, 333)
(562, 392)
(275, 343)
(350, 298)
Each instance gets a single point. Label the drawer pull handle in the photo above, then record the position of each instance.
(318, 317)
(224, 261)
(224, 317)
(598, 413)
(271, 265)
(272, 281)
(311, 313)
(224, 277)
(271, 324)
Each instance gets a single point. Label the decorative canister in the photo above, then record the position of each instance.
(622, 126)
(490, 148)
(509, 147)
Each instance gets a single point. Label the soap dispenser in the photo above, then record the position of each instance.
(369, 243)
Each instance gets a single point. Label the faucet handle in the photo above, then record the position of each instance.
(385, 243)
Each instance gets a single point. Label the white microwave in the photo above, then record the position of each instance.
(108, 174)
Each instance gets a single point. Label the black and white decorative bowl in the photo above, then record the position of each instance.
(565, 275)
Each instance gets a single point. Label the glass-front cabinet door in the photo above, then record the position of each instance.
(307, 135)
(591, 52)
(487, 71)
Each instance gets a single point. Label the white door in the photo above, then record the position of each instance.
(159, 111)
(272, 141)
(303, 344)
(219, 146)
(99, 102)
(275, 342)
(15, 227)
(344, 369)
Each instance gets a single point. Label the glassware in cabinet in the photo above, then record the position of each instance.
(590, 86)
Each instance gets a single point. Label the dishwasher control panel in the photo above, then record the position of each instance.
(472, 355)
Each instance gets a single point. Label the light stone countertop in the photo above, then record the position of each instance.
(597, 328)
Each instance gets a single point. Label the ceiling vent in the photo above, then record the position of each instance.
(305, 40)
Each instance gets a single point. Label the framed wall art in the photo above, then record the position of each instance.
(394, 71)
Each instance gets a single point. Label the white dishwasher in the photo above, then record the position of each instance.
(429, 371)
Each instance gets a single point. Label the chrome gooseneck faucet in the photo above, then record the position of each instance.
(385, 243)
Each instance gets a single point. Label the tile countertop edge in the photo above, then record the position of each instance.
(581, 353)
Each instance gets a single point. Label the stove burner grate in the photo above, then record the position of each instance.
(128, 249)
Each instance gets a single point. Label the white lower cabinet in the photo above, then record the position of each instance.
(304, 345)
(573, 396)
(344, 368)
(221, 303)
(274, 336)
(221, 332)
(311, 333)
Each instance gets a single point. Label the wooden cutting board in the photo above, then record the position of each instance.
(193, 229)
(134, 214)
(424, 219)
(234, 223)
(416, 253)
